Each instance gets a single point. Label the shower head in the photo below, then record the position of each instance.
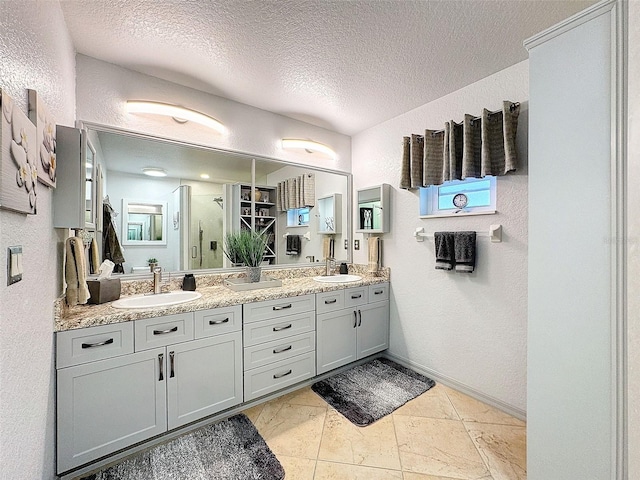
(219, 201)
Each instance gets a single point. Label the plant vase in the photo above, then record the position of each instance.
(152, 266)
(253, 274)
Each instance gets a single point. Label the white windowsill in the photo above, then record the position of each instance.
(461, 214)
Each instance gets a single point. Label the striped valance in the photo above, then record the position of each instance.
(477, 147)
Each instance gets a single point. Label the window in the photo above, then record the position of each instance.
(298, 217)
(471, 196)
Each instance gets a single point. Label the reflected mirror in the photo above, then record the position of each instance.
(181, 219)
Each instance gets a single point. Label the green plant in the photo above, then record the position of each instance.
(245, 247)
(152, 260)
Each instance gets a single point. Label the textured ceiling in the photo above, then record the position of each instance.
(343, 65)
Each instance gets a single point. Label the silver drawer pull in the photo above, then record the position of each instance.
(98, 344)
(329, 302)
(280, 375)
(168, 330)
(378, 292)
(279, 329)
(282, 307)
(356, 296)
(283, 349)
(218, 322)
(161, 365)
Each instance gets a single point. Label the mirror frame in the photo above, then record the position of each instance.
(145, 136)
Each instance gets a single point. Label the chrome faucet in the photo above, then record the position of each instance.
(157, 280)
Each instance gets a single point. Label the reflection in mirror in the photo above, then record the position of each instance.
(205, 194)
(145, 223)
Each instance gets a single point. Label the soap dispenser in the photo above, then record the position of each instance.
(343, 269)
(189, 282)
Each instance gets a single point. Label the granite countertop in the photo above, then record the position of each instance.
(214, 295)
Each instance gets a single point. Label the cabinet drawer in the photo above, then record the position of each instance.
(162, 331)
(257, 311)
(356, 296)
(329, 301)
(267, 379)
(266, 353)
(278, 328)
(379, 292)
(84, 345)
(217, 321)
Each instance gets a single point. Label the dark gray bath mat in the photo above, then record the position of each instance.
(370, 391)
(230, 450)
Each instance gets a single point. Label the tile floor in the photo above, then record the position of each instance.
(441, 435)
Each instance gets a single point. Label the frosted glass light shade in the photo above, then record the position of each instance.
(178, 113)
(308, 145)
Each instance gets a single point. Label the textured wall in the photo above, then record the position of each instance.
(104, 88)
(469, 329)
(633, 237)
(35, 52)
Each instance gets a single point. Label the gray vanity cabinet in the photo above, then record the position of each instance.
(107, 405)
(349, 334)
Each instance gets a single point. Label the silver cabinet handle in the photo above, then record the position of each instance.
(356, 296)
(329, 302)
(98, 344)
(282, 307)
(218, 322)
(360, 315)
(161, 365)
(172, 361)
(280, 375)
(279, 329)
(378, 292)
(168, 330)
(355, 319)
(283, 349)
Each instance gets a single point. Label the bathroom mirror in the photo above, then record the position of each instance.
(145, 223)
(200, 199)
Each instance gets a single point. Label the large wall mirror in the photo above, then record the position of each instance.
(180, 215)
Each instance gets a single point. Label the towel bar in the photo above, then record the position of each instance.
(494, 233)
(306, 235)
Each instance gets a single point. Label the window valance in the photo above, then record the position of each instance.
(477, 147)
(296, 192)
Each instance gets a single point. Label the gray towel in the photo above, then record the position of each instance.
(465, 251)
(444, 250)
(293, 245)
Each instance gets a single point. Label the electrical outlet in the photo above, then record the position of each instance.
(356, 244)
(346, 244)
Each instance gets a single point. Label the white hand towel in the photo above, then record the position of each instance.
(75, 272)
(374, 254)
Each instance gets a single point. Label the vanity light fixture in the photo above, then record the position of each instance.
(179, 114)
(205, 176)
(308, 145)
(154, 172)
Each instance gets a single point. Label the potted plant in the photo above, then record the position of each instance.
(153, 263)
(248, 248)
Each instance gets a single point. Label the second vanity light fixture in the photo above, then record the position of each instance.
(179, 114)
(308, 145)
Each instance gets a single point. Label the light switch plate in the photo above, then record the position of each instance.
(14, 264)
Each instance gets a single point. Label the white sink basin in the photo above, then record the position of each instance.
(159, 300)
(338, 278)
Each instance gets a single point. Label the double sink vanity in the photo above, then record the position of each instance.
(126, 375)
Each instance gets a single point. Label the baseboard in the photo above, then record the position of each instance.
(461, 387)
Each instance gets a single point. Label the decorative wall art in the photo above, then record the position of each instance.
(18, 167)
(45, 139)
(366, 218)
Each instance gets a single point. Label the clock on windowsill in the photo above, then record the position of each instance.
(460, 200)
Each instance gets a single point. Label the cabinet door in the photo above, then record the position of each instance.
(203, 377)
(373, 328)
(336, 333)
(110, 404)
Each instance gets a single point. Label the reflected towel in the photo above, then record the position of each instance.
(293, 245)
(465, 251)
(374, 244)
(328, 246)
(75, 272)
(444, 250)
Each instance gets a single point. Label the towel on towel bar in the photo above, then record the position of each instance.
(293, 245)
(444, 250)
(75, 272)
(375, 251)
(465, 251)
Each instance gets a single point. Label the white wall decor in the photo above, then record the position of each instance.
(45, 145)
(18, 170)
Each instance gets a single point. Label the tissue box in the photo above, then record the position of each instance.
(104, 290)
